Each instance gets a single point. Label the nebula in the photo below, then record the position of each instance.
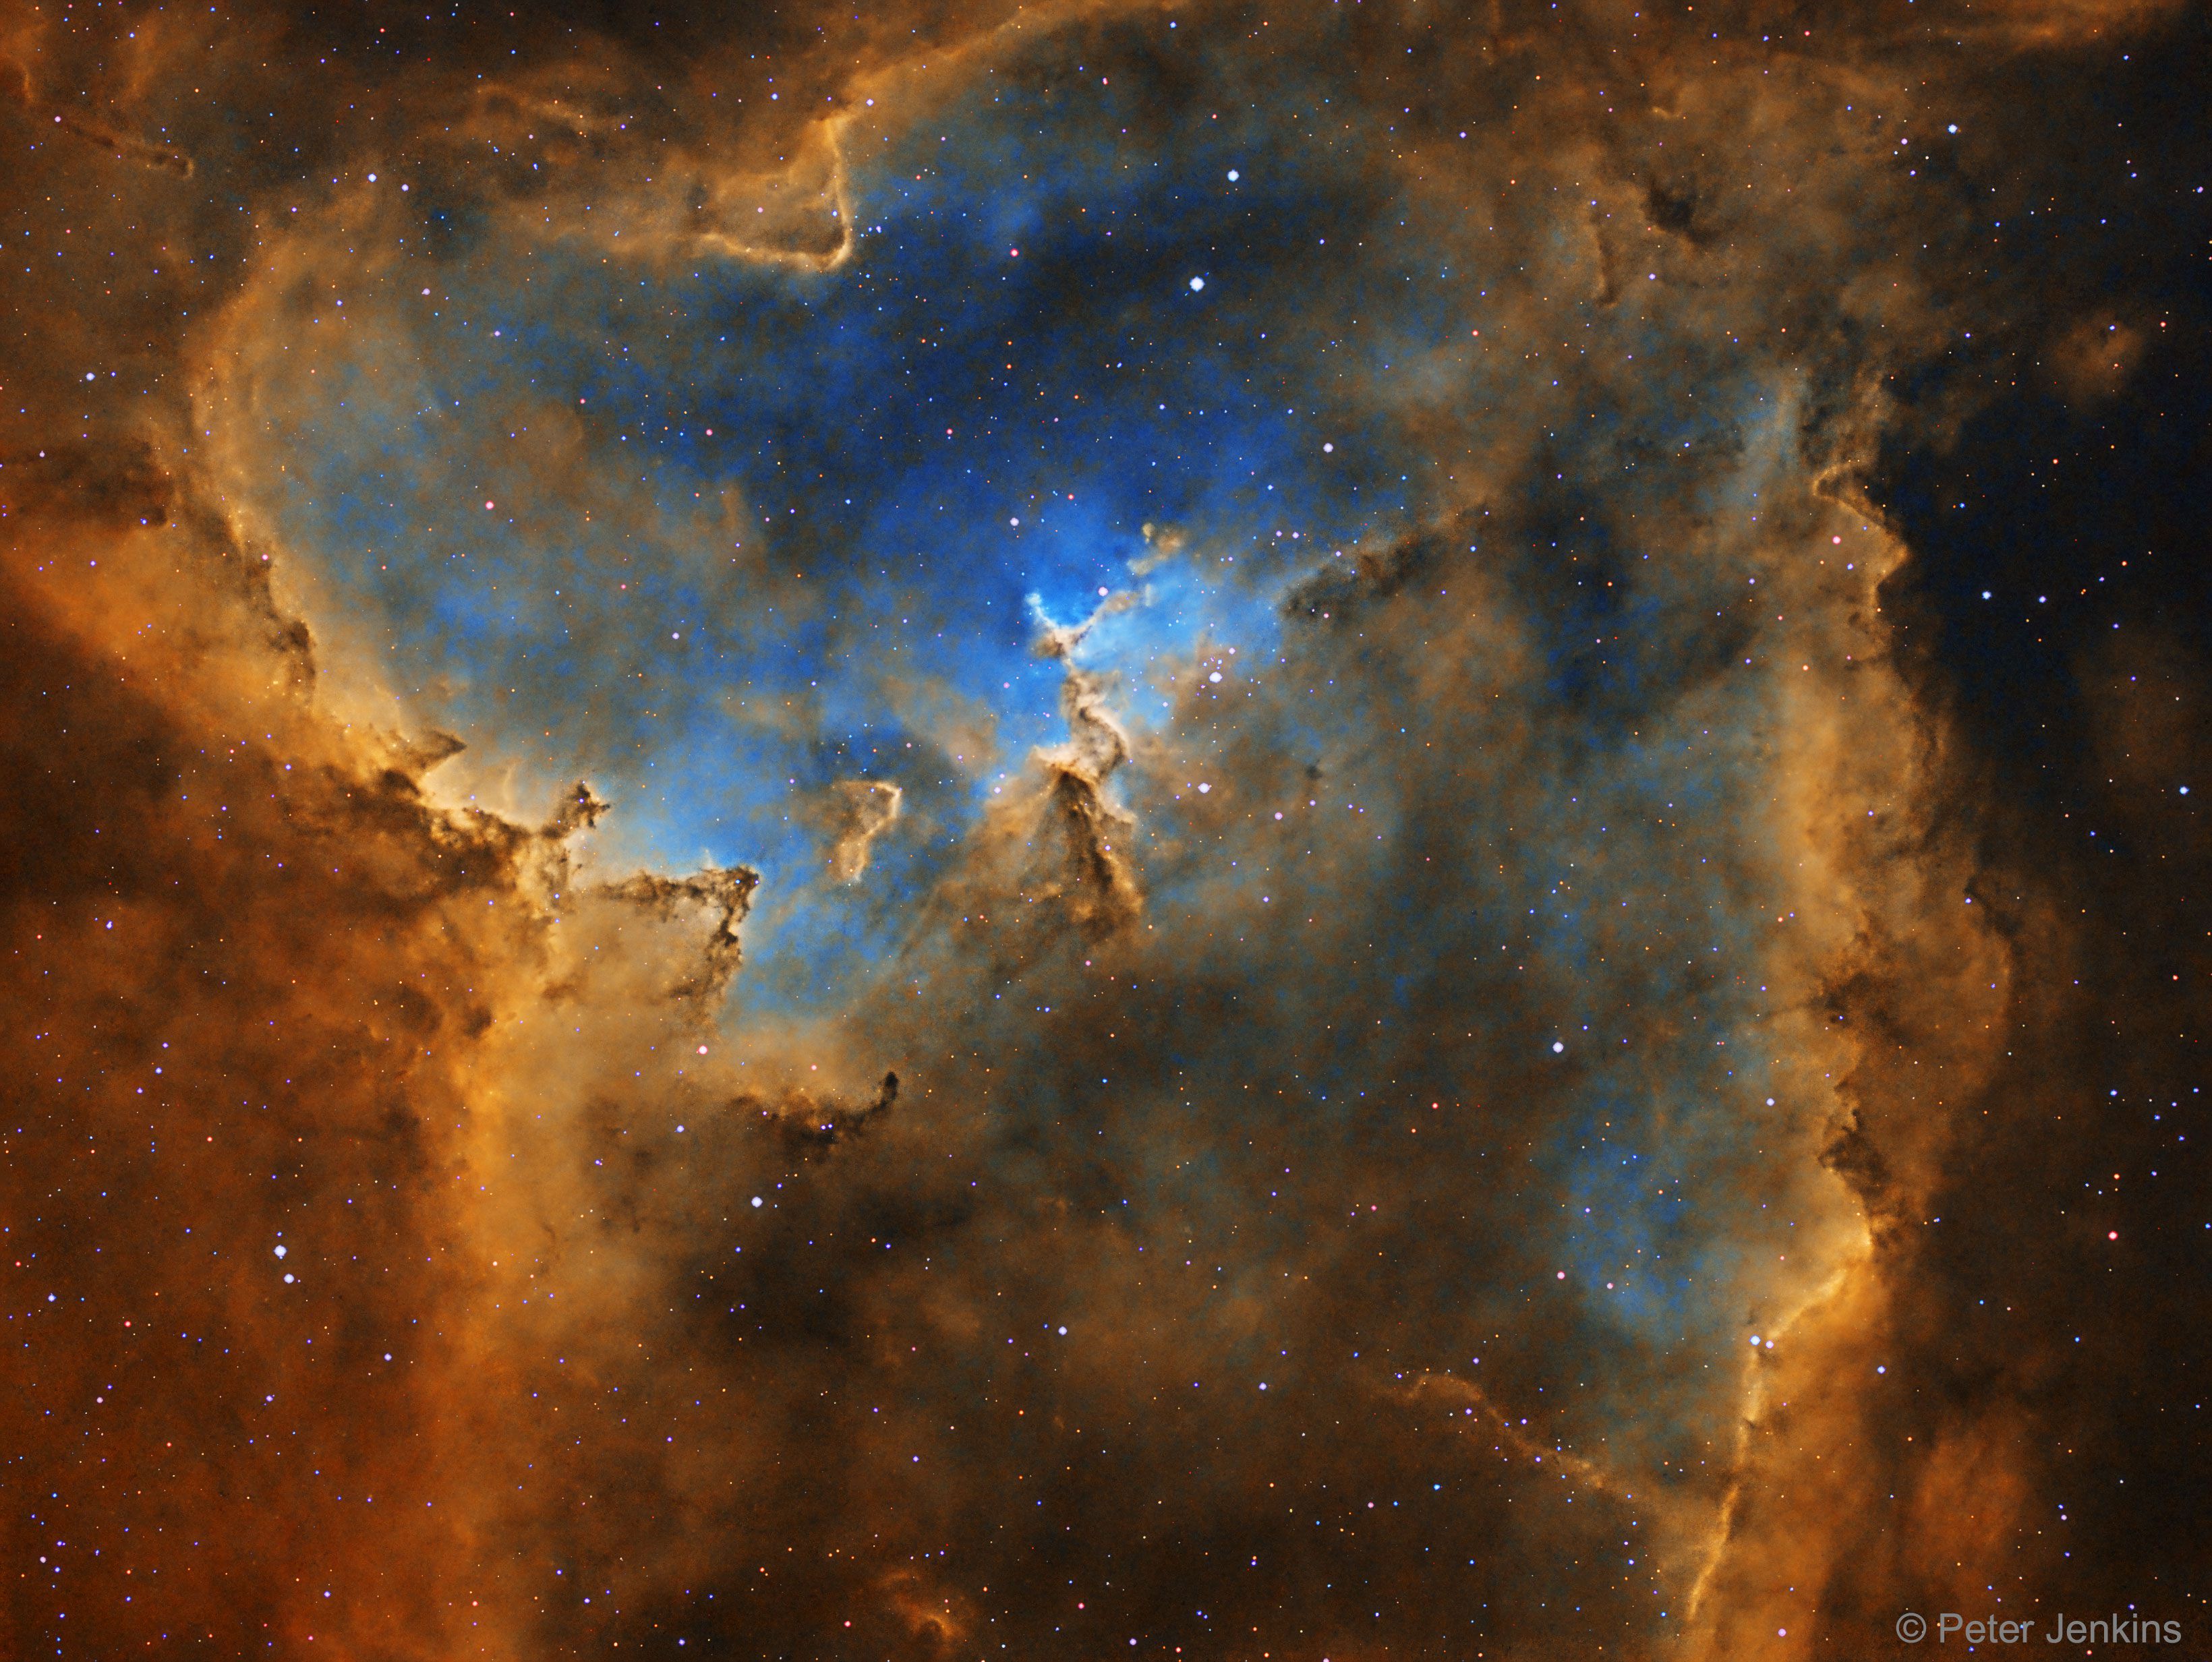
(1104, 830)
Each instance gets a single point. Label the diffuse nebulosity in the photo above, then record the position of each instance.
(1248, 807)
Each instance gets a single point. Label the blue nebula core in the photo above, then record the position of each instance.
(719, 533)
(907, 463)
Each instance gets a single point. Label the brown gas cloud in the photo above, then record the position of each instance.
(418, 1246)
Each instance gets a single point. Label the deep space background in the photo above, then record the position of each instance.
(1095, 829)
